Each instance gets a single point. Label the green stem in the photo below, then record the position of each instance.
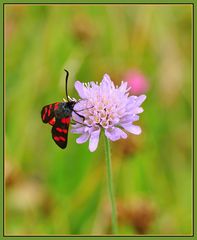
(110, 185)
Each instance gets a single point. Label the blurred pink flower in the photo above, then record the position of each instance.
(137, 81)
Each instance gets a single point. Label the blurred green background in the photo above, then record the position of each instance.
(55, 191)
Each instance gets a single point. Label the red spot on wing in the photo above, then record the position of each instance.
(58, 129)
(49, 112)
(65, 120)
(62, 139)
(61, 130)
(59, 138)
(64, 130)
(44, 114)
(56, 138)
(56, 106)
(52, 121)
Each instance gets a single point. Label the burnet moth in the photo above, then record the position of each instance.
(59, 115)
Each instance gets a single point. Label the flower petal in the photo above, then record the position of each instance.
(83, 138)
(107, 84)
(94, 139)
(106, 78)
(140, 100)
(115, 133)
(80, 89)
(136, 110)
(132, 128)
(129, 119)
(123, 87)
(78, 128)
(134, 101)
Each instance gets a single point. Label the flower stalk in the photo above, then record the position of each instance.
(110, 184)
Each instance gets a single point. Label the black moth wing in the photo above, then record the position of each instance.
(60, 131)
(48, 113)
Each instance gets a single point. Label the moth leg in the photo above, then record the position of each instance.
(80, 123)
(83, 109)
(79, 115)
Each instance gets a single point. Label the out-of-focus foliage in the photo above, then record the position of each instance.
(52, 191)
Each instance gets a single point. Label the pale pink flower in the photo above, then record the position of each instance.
(137, 81)
(108, 107)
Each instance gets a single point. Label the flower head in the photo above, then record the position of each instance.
(107, 107)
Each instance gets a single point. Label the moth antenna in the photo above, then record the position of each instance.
(66, 86)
